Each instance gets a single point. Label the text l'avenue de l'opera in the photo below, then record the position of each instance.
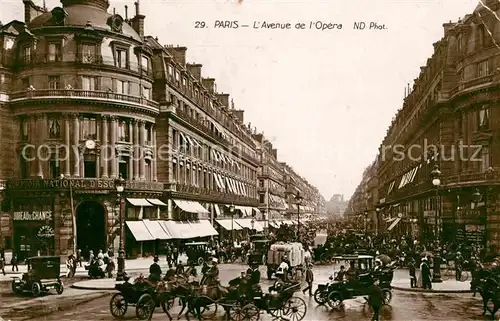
(314, 25)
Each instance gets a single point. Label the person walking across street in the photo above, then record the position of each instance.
(309, 279)
(425, 271)
(375, 299)
(413, 273)
(14, 262)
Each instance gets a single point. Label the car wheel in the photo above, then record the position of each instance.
(319, 297)
(387, 296)
(334, 300)
(36, 289)
(15, 288)
(60, 287)
(201, 261)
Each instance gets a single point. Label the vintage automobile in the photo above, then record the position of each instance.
(43, 275)
(360, 284)
(259, 249)
(198, 252)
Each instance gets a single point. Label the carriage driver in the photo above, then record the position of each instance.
(253, 273)
(155, 270)
(213, 273)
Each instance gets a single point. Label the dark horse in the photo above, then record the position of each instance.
(489, 289)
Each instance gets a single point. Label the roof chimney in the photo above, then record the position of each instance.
(195, 70)
(137, 22)
(126, 12)
(209, 83)
(179, 54)
(224, 99)
(31, 11)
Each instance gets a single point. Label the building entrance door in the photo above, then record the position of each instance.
(91, 227)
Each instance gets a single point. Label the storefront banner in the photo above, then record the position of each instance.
(33, 216)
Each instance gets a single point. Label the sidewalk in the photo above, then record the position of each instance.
(136, 265)
(448, 286)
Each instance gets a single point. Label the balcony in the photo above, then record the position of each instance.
(211, 195)
(88, 59)
(80, 184)
(491, 176)
(80, 94)
(472, 83)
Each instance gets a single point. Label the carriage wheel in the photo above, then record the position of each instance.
(59, 287)
(36, 289)
(145, 307)
(334, 300)
(319, 297)
(118, 305)
(14, 287)
(201, 261)
(387, 296)
(248, 312)
(295, 309)
(209, 311)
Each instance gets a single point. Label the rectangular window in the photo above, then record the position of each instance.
(124, 131)
(174, 170)
(262, 198)
(149, 134)
(25, 83)
(54, 82)
(89, 127)
(146, 92)
(459, 43)
(24, 167)
(90, 166)
(482, 69)
(147, 172)
(121, 58)
(55, 168)
(485, 158)
(25, 129)
(484, 118)
(89, 83)
(145, 64)
(27, 54)
(54, 128)
(170, 70)
(54, 52)
(123, 166)
(122, 87)
(88, 54)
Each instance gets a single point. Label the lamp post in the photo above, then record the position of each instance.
(252, 224)
(436, 181)
(366, 221)
(120, 187)
(231, 210)
(298, 201)
(477, 197)
(377, 211)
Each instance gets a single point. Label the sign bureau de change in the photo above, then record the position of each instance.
(86, 184)
(33, 216)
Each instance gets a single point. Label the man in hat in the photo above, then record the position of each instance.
(375, 299)
(309, 279)
(213, 273)
(155, 270)
(425, 271)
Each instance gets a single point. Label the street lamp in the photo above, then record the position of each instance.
(477, 197)
(366, 221)
(120, 187)
(298, 201)
(436, 181)
(231, 210)
(252, 223)
(377, 210)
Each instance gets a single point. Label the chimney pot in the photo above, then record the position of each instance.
(126, 12)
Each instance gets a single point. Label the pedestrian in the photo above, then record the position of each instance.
(425, 271)
(2, 264)
(69, 266)
(79, 257)
(375, 299)
(413, 273)
(14, 262)
(309, 279)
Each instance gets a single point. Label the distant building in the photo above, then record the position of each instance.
(336, 206)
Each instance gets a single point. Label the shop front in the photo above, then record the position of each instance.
(33, 227)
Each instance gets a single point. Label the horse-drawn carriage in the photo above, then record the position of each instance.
(293, 251)
(334, 293)
(259, 249)
(42, 276)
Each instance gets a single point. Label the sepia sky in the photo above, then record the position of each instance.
(324, 98)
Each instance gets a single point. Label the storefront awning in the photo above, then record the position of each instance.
(139, 202)
(139, 231)
(274, 224)
(178, 229)
(229, 225)
(244, 222)
(156, 230)
(156, 201)
(394, 224)
(259, 226)
(203, 228)
(217, 209)
(191, 207)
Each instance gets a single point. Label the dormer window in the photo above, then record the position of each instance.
(145, 64)
(482, 69)
(26, 54)
(88, 53)
(121, 58)
(54, 52)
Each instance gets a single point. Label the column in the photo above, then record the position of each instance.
(112, 152)
(142, 142)
(76, 144)
(41, 119)
(155, 153)
(67, 142)
(32, 152)
(104, 146)
(136, 150)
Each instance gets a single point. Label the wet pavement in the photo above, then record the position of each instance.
(404, 305)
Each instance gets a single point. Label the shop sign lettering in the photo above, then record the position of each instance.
(79, 184)
(33, 216)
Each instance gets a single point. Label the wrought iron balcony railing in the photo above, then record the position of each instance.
(471, 83)
(80, 93)
(213, 194)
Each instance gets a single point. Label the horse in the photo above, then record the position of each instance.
(200, 297)
(489, 290)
